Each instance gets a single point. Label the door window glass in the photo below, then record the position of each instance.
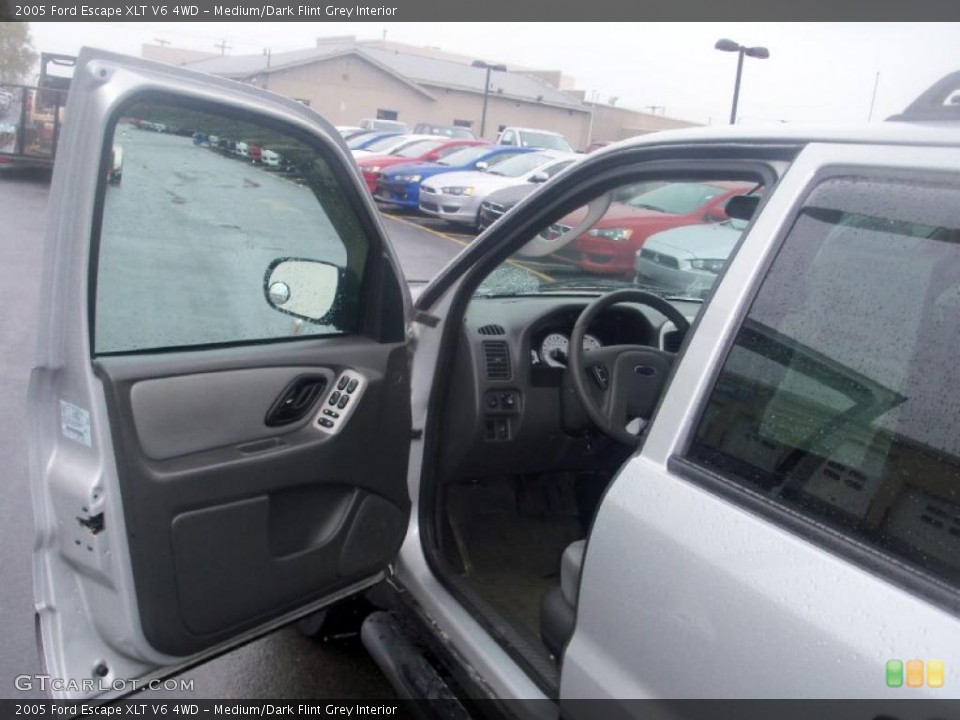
(198, 206)
(841, 395)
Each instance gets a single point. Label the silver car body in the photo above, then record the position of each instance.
(666, 258)
(437, 200)
(685, 591)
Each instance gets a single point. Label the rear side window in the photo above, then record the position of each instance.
(840, 398)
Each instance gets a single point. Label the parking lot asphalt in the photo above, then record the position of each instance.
(282, 665)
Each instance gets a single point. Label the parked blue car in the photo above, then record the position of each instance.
(400, 184)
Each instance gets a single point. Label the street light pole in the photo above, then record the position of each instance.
(761, 53)
(486, 90)
(736, 88)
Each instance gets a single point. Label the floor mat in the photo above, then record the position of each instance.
(511, 534)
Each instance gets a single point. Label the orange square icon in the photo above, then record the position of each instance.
(914, 673)
(935, 673)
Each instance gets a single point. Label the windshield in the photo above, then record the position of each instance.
(613, 243)
(355, 142)
(544, 140)
(466, 156)
(521, 164)
(450, 132)
(677, 198)
(418, 148)
(385, 144)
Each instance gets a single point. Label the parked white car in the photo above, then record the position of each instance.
(534, 138)
(270, 158)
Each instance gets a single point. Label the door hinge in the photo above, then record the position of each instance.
(416, 433)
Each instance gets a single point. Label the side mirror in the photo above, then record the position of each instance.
(540, 177)
(742, 207)
(306, 289)
(715, 215)
(483, 165)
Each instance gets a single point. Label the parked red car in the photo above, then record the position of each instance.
(427, 150)
(610, 246)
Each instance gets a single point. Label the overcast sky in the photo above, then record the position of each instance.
(816, 73)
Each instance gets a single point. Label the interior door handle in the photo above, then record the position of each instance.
(296, 400)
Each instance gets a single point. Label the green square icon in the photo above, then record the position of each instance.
(894, 673)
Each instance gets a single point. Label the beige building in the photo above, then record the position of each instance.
(346, 80)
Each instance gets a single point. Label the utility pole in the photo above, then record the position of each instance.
(161, 43)
(223, 46)
(266, 74)
(873, 98)
(593, 109)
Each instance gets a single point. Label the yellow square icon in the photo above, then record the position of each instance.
(935, 673)
(915, 673)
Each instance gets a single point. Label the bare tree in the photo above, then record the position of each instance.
(17, 56)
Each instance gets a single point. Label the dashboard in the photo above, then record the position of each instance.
(550, 335)
(508, 409)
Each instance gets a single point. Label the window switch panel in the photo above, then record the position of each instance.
(340, 404)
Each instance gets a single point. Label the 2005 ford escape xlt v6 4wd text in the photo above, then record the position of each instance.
(577, 486)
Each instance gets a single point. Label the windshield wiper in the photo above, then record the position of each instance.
(659, 292)
(683, 298)
(594, 284)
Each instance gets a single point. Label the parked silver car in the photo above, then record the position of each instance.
(456, 197)
(563, 486)
(687, 259)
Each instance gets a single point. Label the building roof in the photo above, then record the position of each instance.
(415, 68)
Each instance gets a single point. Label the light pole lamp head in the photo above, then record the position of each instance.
(727, 45)
(487, 66)
(761, 53)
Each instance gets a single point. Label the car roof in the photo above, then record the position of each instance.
(529, 129)
(555, 154)
(886, 133)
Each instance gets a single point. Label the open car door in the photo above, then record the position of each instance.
(220, 408)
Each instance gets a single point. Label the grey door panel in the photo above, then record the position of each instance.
(231, 522)
(181, 415)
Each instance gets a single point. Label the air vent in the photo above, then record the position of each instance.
(672, 341)
(492, 330)
(497, 357)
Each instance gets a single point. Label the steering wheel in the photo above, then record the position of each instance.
(620, 382)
